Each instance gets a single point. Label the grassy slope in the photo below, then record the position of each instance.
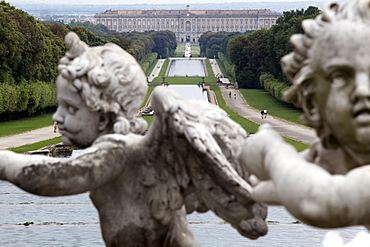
(26, 124)
(249, 126)
(261, 99)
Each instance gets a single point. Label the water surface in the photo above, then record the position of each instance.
(190, 92)
(186, 67)
(73, 221)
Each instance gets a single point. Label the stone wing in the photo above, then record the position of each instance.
(202, 143)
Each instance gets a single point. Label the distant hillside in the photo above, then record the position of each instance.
(36, 9)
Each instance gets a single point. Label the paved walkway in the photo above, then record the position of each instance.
(29, 137)
(285, 128)
(156, 70)
(217, 71)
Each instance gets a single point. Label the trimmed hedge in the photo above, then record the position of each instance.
(147, 62)
(272, 85)
(229, 67)
(26, 99)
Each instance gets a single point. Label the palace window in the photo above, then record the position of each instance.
(188, 26)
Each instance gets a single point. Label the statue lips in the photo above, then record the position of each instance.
(65, 132)
(362, 113)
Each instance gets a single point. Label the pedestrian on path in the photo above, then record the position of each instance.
(230, 94)
(262, 113)
(55, 126)
(234, 95)
(265, 113)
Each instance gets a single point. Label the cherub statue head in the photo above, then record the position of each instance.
(330, 72)
(100, 89)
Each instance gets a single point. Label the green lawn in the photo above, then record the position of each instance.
(261, 99)
(163, 69)
(180, 50)
(209, 68)
(26, 124)
(249, 126)
(148, 93)
(37, 145)
(152, 66)
(195, 49)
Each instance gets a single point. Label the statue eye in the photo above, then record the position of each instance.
(72, 109)
(339, 79)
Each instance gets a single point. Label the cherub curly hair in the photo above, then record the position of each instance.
(108, 79)
(297, 65)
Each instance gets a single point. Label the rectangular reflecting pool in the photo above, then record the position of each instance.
(190, 92)
(186, 67)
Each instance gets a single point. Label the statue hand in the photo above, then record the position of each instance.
(3, 158)
(254, 151)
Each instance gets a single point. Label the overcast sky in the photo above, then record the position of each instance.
(116, 2)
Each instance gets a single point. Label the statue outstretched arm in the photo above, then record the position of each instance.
(49, 176)
(308, 191)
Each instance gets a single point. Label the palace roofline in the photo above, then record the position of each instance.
(186, 13)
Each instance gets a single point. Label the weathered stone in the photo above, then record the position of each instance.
(140, 184)
(328, 184)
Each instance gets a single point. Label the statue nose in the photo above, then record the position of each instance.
(58, 116)
(362, 86)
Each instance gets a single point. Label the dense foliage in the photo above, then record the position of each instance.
(228, 67)
(30, 51)
(261, 50)
(210, 43)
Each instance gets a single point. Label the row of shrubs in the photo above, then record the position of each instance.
(272, 85)
(26, 99)
(147, 61)
(227, 66)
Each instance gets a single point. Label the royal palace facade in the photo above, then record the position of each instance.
(188, 25)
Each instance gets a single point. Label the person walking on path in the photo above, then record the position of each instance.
(262, 114)
(265, 113)
(234, 95)
(55, 127)
(230, 94)
(297, 132)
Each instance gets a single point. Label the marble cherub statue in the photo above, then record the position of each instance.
(142, 185)
(328, 184)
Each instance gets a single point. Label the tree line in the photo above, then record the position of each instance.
(30, 51)
(258, 53)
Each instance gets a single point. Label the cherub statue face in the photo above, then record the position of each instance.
(77, 123)
(341, 60)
